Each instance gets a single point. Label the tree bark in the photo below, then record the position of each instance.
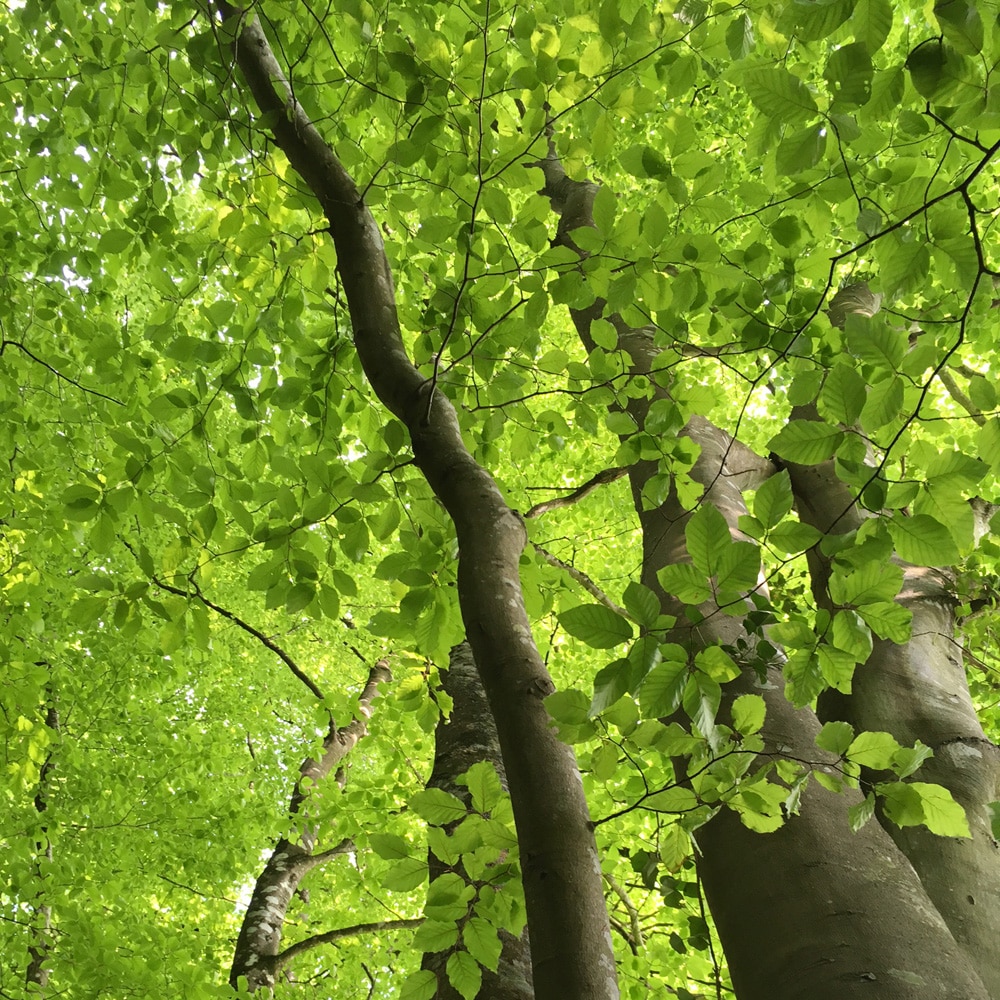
(809, 910)
(571, 946)
(467, 737)
(37, 974)
(919, 691)
(257, 957)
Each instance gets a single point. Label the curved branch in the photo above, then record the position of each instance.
(4, 344)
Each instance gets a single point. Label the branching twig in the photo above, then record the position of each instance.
(55, 371)
(300, 947)
(956, 392)
(602, 477)
(581, 578)
(248, 628)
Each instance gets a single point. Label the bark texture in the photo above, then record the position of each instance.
(467, 737)
(811, 910)
(257, 956)
(570, 934)
(919, 691)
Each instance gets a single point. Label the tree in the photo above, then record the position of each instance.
(633, 361)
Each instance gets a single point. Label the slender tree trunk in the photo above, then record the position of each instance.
(572, 954)
(467, 737)
(810, 910)
(257, 957)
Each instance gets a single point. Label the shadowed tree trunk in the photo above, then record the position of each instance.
(37, 974)
(467, 737)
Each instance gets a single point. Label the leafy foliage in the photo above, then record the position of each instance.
(211, 529)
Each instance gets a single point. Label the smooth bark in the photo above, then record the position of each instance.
(919, 691)
(257, 957)
(811, 910)
(570, 934)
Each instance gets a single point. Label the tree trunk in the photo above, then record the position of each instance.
(571, 946)
(918, 691)
(466, 738)
(812, 888)
(37, 975)
(257, 957)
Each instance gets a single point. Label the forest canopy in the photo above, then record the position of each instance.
(500, 501)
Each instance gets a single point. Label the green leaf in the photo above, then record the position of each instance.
(390, 846)
(701, 700)
(114, 241)
(464, 974)
(642, 604)
(717, 663)
(748, 713)
(843, 395)
(672, 800)
(806, 442)
(852, 635)
(779, 94)
(922, 540)
(707, 538)
(872, 22)
(596, 625)
(793, 536)
(773, 499)
(437, 806)
(835, 737)
(874, 750)
(801, 150)
(604, 210)
(938, 70)
(849, 71)
(610, 684)
(480, 937)
(836, 667)
(662, 689)
(960, 24)
(737, 570)
(872, 340)
(420, 985)
(405, 875)
(887, 621)
(740, 37)
(906, 760)
(787, 230)
(884, 403)
(685, 582)
(858, 815)
(874, 582)
(916, 803)
(812, 20)
(484, 785)
(435, 935)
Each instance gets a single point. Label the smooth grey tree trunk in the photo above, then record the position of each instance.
(571, 949)
(812, 910)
